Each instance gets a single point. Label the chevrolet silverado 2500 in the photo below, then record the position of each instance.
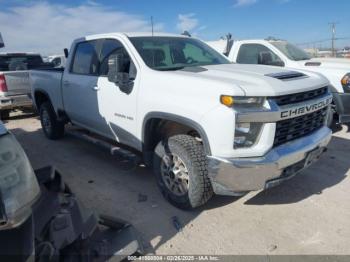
(281, 53)
(204, 124)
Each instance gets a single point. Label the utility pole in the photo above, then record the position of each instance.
(152, 24)
(333, 26)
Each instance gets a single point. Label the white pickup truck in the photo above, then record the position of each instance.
(14, 80)
(204, 124)
(281, 53)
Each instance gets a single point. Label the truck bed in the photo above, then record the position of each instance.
(48, 80)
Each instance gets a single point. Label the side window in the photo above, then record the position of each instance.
(110, 47)
(86, 59)
(257, 54)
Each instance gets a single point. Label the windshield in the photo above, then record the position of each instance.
(291, 51)
(174, 53)
(20, 62)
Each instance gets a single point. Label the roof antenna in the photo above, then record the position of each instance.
(152, 24)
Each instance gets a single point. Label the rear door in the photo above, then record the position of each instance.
(80, 88)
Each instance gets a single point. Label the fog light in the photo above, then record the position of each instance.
(246, 134)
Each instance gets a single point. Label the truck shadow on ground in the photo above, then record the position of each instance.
(116, 186)
(19, 115)
(339, 127)
(329, 171)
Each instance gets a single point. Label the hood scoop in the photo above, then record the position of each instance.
(312, 63)
(287, 76)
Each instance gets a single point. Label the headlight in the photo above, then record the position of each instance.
(242, 101)
(249, 101)
(246, 134)
(18, 185)
(345, 82)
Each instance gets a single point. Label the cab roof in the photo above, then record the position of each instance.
(137, 34)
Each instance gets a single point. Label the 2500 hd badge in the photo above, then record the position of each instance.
(306, 108)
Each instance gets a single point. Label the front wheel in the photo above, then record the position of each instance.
(52, 127)
(181, 168)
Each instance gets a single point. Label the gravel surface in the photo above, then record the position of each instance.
(308, 214)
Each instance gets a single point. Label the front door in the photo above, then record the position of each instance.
(117, 107)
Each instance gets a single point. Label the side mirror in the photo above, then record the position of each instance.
(66, 53)
(265, 58)
(2, 44)
(117, 74)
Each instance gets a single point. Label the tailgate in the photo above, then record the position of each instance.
(17, 83)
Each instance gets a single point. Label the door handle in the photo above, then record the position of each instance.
(66, 83)
(95, 88)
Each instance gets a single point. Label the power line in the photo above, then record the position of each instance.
(315, 42)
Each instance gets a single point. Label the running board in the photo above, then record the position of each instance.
(113, 147)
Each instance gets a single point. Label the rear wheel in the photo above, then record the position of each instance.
(52, 127)
(181, 168)
(4, 114)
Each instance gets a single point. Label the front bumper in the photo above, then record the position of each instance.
(342, 103)
(234, 176)
(11, 102)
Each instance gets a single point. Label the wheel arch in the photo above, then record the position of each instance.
(152, 122)
(40, 97)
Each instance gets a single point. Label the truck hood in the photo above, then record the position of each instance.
(334, 69)
(256, 80)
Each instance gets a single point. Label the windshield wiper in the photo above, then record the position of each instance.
(171, 68)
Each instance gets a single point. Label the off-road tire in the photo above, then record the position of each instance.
(192, 154)
(4, 114)
(55, 130)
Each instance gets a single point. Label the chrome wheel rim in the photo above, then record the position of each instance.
(45, 119)
(175, 174)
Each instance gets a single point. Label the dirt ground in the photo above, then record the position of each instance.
(308, 214)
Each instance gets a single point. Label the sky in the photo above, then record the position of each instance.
(48, 26)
